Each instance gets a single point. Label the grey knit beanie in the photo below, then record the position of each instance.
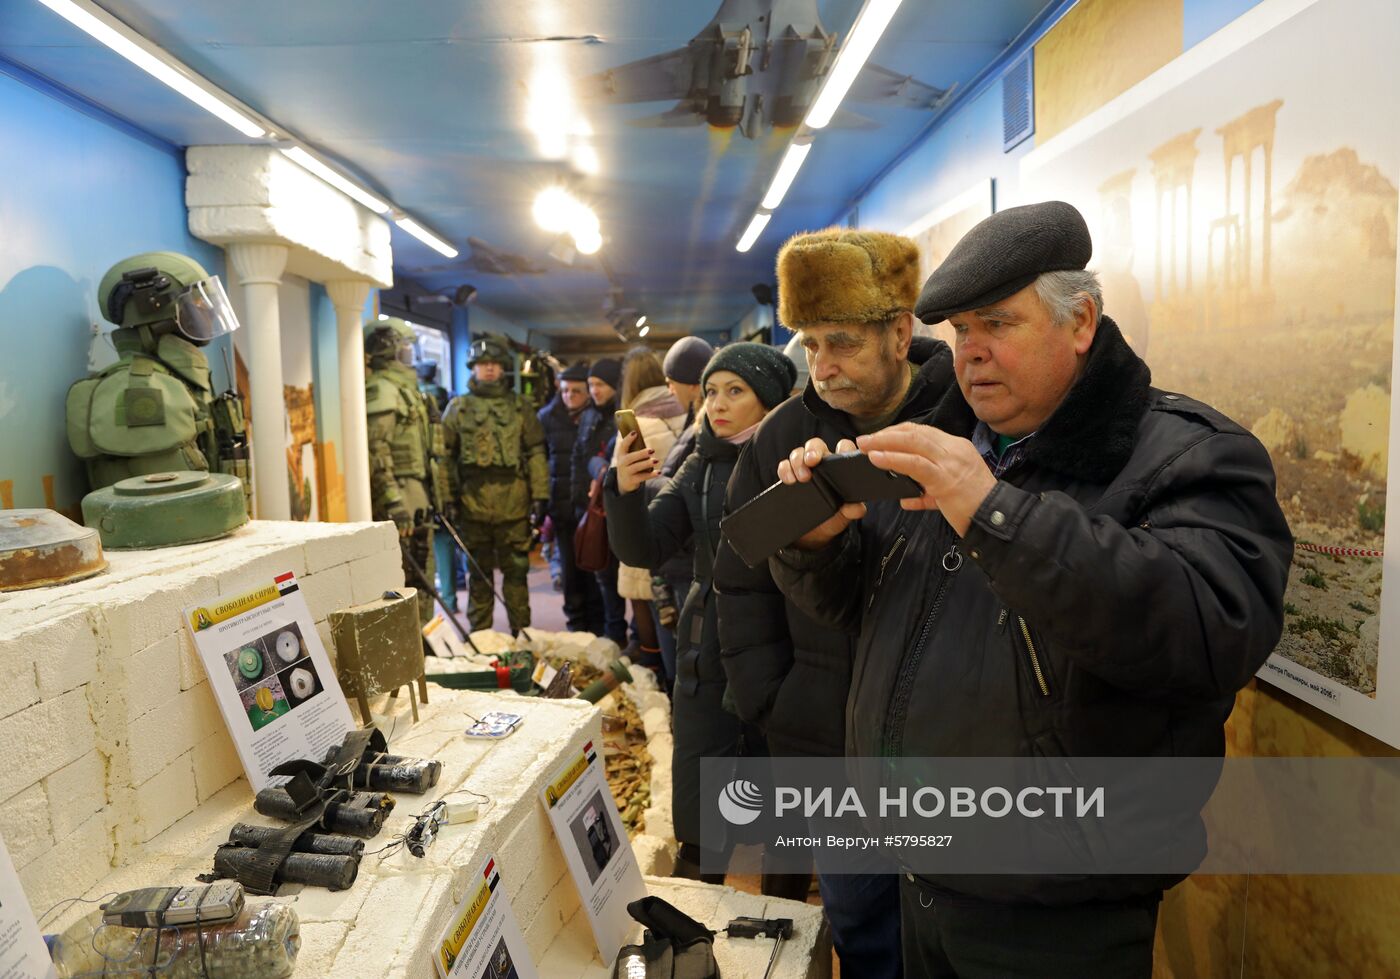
(686, 360)
(765, 369)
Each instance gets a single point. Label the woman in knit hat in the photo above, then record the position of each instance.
(741, 384)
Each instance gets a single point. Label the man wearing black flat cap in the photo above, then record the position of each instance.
(1095, 568)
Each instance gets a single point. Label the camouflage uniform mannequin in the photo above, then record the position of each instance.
(155, 409)
(501, 480)
(405, 445)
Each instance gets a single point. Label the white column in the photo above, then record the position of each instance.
(348, 296)
(259, 267)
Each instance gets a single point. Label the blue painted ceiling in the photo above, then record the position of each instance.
(429, 102)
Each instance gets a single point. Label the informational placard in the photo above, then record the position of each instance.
(23, 954)
(271, 677)
(596, 848)
(443, 639)
(483, 939)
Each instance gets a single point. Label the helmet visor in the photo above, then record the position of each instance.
(203, 312)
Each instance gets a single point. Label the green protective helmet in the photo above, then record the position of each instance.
(159, 289)
(390, 339)
(489, 348)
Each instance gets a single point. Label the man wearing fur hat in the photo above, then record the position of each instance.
(849, 294)
(1095, 568)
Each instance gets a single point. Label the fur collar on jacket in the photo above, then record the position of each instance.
(1092, 433)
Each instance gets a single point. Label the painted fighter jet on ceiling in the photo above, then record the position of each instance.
(757, 63)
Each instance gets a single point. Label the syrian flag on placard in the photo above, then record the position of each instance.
(589, 753)
(286, 583)
(492, 877)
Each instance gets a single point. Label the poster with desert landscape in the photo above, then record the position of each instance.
(940, 229)
(1244, 217)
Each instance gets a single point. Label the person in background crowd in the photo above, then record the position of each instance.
(661, 418)
(500, 483)
(1100, 568)
(742, 383)
(595, 431)
(683, 365)
(428, 383)
(849, 293)
(560, 420)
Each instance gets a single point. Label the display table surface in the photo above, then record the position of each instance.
(386, 924)
(110, 729)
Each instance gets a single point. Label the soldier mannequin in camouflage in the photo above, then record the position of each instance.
(155, 410)
(405, 448)
(500, 482)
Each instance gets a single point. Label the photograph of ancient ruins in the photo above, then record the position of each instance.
(938, 231)
(1248, 251)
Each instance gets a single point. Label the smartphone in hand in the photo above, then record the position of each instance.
(626, 425)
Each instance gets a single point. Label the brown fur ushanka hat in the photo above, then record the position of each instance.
(845, 275)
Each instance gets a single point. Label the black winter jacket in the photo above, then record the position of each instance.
(560, 434)
(645, 535)
(686, 513)
(789, 674)
(680, 564)
(595, 429)
(1115, 590)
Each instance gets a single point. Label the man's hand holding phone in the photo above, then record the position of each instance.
(797, 468)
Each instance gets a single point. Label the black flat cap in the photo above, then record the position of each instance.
(1003, 255)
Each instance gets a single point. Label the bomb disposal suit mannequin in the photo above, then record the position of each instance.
(500, 482)
(154, 410)
(405, 446)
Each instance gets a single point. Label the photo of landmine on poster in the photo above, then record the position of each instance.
(271, 677)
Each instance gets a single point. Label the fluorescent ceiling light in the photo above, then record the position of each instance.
(426, 236)
(350, 189)
(787, 172)
(751, 233)
(874, 18)
(101, 25)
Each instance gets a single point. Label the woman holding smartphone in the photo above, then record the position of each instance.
(741, 384)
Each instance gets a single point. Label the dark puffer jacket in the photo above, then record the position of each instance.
(789, 674)
(1115, 590)
(560, 434)
(645, 535)
(596, 429)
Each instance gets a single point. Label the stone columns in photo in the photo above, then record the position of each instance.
(348, 296)
(259, 267)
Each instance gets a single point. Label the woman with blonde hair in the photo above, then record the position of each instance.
(741, 384)
(660, 419)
